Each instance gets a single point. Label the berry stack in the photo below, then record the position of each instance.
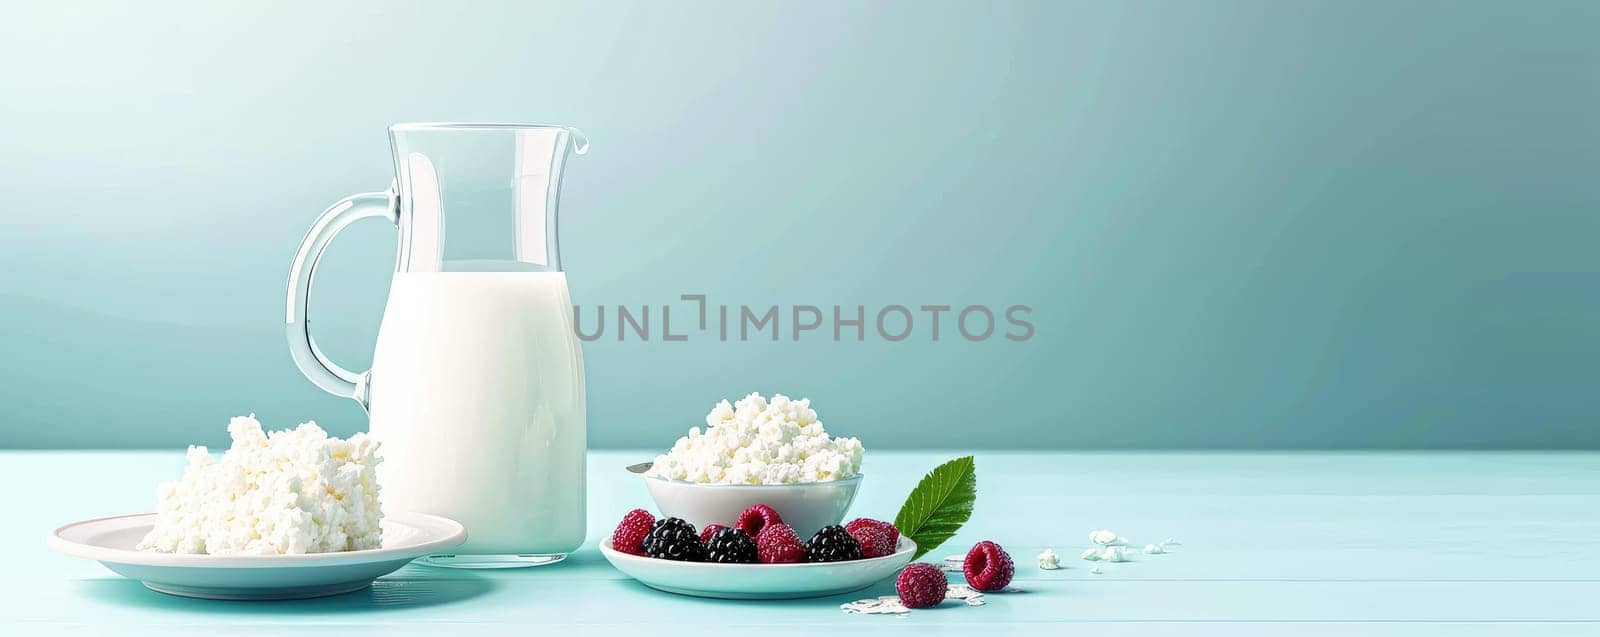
(758, 536)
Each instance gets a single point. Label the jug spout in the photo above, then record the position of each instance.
(580, 142)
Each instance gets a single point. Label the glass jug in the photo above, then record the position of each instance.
(476, 390)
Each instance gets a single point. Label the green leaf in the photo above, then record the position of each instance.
(939, 505)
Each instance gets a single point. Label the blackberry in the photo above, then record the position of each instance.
(674, 539)
(832, 544)
(731, 546)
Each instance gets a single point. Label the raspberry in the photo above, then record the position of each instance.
(921, 585)
(710, 530)
(988, 567)
(874, 542)
(887, 528)
(631, 531)
(832, 544)
(777, 544)
(755, 518)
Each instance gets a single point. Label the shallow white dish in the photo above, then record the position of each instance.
(806, 507)
(112, 541)
(759, 581)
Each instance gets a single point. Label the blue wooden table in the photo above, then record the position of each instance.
(1272, 544)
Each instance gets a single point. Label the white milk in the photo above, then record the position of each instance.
(477, 397)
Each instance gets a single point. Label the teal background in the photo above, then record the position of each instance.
(1240, 224)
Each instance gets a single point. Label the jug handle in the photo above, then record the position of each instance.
(316, 366)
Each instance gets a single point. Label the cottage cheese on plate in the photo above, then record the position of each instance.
(760, 442)
(292, 491)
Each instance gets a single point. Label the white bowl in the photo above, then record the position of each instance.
(806, 507)
(759, 581)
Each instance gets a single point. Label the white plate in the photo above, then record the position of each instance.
(113, 541)
(759, 581)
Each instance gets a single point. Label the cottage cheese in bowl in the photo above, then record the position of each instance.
(758, 442)
(758, 452)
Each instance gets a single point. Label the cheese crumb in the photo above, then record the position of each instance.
(1048, 560)
(287, 492)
